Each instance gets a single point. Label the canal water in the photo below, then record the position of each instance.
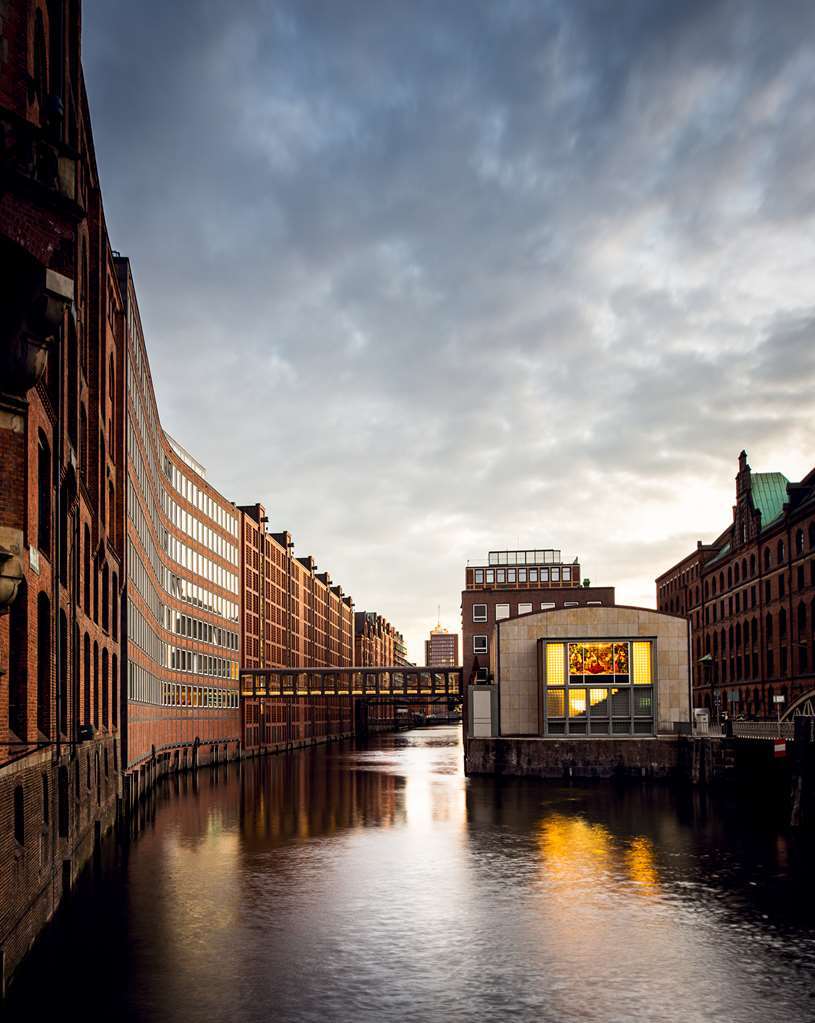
(376, 883)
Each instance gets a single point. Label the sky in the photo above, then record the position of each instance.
(429, 279)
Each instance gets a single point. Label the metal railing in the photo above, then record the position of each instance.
(763, 729)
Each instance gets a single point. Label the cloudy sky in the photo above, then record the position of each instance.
(431, 278)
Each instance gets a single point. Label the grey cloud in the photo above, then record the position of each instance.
(431, 278)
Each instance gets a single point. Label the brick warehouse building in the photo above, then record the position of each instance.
(376, 641)
(61, 473)
(298, 616)
(514, 583)
(750, 598)
(182, 597)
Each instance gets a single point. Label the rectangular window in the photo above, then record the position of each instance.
(501, 612)
(479, 575)
(479, 612)
(510, 575)
(555, 703)
(548, 605)
(481, 675)
(555, 666)
(479, 644)
(522, 575)
(567, 573)
(544, 575)
(524, 609)
(501, 574)
(490, 575)
(555, 575)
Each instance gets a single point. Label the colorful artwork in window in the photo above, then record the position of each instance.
(598, 658)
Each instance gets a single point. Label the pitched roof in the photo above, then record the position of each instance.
(769, 490)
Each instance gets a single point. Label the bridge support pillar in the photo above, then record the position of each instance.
(360, 718)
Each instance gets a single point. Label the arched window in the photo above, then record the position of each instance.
(95, 685)
(64, 657)
(43, 494)
(111, 514)
(40, 61)
(18, 664)
(114, 606)
(86, 570)
(44, 664)
(736, 568)
(766, 558)
(721, 582)
(780, 552)
(105, 690)
(62, 801)
(799, 541)
(86, 681)
(782, 622)
(114, 678)
(729, 577)
(83, 444)
(706, 590)
(768, 628)
(103, 515)
(812, 536)
(105, 597)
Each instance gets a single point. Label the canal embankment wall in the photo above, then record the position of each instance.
(783, 771)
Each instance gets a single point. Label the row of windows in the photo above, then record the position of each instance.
(198, 530)
(481, 614)
(199, 564)
(195, 628)
(523, 557)
(144, 687)
(143, 635)
(744, 569)
(555, 574)
(192, 493)
(175, 695)
(198, 596)
(201, 664)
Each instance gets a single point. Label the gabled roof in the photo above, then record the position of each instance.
(769, 491)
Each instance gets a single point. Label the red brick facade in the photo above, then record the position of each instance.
(61, 471)
(292, 614)
(376, 641)
(750, 598)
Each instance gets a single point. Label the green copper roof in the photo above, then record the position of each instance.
(769, 494)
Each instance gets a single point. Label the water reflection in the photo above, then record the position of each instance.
(377, 883)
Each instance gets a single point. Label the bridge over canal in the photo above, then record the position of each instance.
(283, 708)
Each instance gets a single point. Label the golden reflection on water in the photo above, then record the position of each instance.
(575, 851)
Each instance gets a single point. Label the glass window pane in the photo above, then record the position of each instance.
(577, 703)
(621, 703)
(598, 702)
(555, 703)
(555, 668)
(642, 663)
(643, 702)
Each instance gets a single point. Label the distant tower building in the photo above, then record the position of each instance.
(441, 649)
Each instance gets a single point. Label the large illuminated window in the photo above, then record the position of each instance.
(598, 687)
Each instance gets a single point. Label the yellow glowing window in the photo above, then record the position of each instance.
(598, 698)
(555, 668)
(555, 703)
(577, 703)
(641, 659)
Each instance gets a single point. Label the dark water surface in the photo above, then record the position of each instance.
(376, 883)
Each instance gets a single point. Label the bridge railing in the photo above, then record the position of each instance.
(763, 729)
(382, 682)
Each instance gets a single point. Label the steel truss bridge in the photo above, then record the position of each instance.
(381, 684)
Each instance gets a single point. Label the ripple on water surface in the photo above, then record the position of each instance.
(377, 883)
